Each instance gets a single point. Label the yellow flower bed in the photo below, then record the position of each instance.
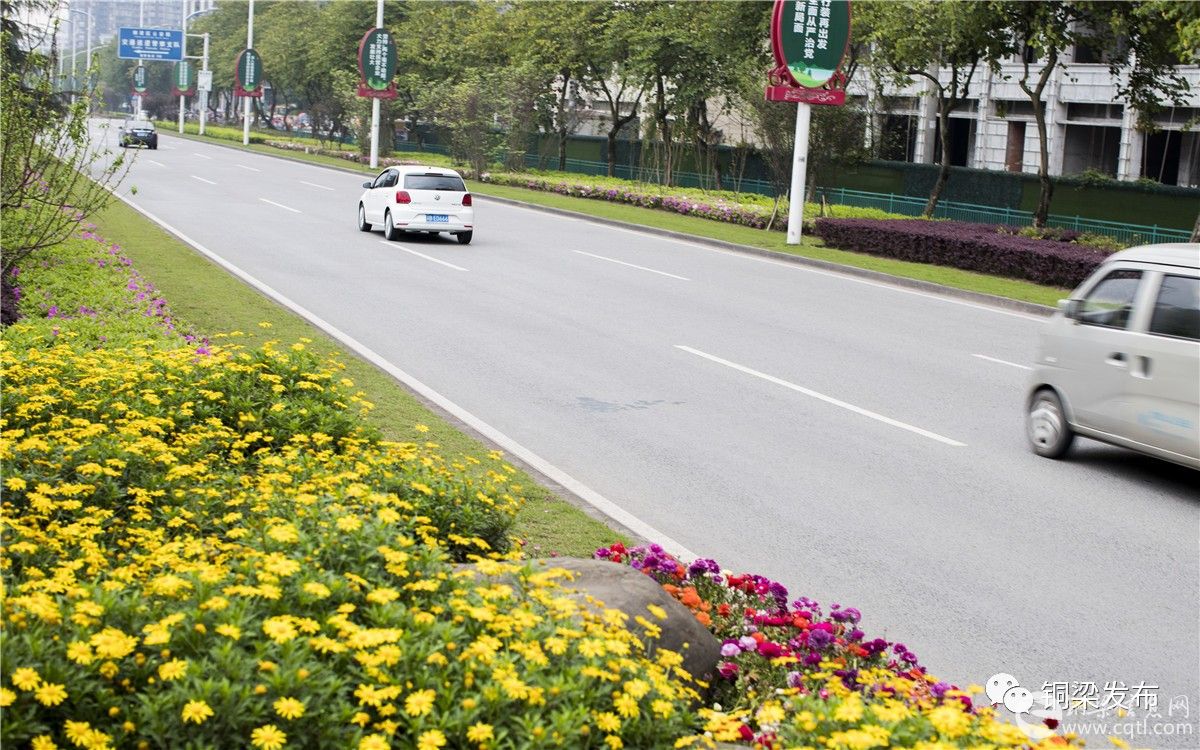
(205, 547)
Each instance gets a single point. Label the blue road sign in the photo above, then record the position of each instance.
(150, 44)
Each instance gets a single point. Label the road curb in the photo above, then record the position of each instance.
(992, 300)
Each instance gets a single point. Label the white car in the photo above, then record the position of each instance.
(417, 199)
(1120, 360)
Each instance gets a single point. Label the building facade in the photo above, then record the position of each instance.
(1089, 129)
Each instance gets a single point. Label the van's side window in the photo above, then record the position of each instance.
(1177, 310)
(1111, 301)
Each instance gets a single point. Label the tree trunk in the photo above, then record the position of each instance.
(1047, 186)
(612, 150)
(562, 121)
(944, 172)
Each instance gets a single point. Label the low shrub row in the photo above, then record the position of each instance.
(971, 247)
(750, 214)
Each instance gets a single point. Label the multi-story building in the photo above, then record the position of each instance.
(1089, 128)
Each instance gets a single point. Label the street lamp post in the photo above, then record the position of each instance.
(246, 106)
(74, 51)
(203, 67)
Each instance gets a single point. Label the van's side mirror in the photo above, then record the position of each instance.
(367, 184)
(1071, 308)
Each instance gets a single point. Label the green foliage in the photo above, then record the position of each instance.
(52, 173)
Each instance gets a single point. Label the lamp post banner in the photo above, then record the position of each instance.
(809, 39)
(139, 80)
(184, 80)
(377, 64)
(248, 74)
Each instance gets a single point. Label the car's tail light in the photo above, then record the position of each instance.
(402, 196)
(467, 199)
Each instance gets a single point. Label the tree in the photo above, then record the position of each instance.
(53, 174)
(1041, 32)
(919, 39)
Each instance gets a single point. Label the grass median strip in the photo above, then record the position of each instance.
(811, 247)
(211, 300)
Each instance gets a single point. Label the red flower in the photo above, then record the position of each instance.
(723, 610)
(746, 732)
(769, 649)
(1051, 723)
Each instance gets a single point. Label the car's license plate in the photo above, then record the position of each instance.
(437, 218)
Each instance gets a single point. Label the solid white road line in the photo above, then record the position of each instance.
(823, 397)
(313, 184)
(504, 442)
(156, 163)
(243, 166)
(1001, 361)
(202, 156)
(631, 265)
(280, 205)
(422, 255)
(210, 182)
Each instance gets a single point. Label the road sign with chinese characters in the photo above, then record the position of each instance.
(248, 74)
(809, 39)
(377, 64)
(183, 79)
(139, 80)
(150, 44)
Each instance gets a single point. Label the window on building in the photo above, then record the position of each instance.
(1161, 156)
(962, 142)
(1091, 148)
(1177, 310)
(1014, 155)
(898, 138)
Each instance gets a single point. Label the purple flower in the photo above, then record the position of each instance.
(794, 679)
(52, 312)
(819, 639)
(730, 649)
(747, 643)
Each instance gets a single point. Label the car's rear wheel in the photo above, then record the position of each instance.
(363, 226)
(464, 238)
(1046, 425)
(390, 231)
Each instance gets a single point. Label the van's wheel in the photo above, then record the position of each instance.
(464, 238)
(363, 226)
(1046, 425)
(390, 232)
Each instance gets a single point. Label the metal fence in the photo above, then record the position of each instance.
(1131, 234)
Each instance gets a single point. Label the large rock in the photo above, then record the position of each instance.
(601, 585)
(631, 591)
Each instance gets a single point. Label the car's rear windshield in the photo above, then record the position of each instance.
(140, 125)
(434, 182)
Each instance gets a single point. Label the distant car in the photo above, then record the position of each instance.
(138, 133)
(417, 199)
(1120, 360)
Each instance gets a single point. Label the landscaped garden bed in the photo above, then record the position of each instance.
(973, 247)
(205, 544)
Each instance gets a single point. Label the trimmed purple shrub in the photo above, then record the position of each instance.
(971, 247)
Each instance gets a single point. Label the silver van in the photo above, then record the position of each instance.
(1120, 360)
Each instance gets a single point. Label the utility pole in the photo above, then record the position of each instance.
(137, 111)
(246, 107)
(799, 168)
(204, 93)
(375, 100)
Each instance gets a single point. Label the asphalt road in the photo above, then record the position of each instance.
(860, 442)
